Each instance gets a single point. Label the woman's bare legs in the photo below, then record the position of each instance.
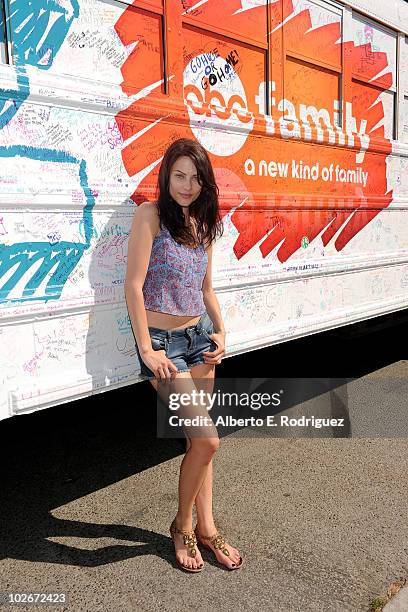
(193, 472)
(203, 377)
(203, 500)
(205, 518)
(194, 466)
(196, 472)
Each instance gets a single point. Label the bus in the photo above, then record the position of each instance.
(302, 106)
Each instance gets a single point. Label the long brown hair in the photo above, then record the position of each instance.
(204, 210)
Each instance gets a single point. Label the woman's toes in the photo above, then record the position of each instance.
(233, 559)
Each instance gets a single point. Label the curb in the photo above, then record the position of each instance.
(399, 603)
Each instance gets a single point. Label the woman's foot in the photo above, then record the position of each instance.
(226, 555)
(185, 544)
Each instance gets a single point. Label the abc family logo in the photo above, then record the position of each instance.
(216, 100)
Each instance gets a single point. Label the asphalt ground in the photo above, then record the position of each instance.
(88, 492)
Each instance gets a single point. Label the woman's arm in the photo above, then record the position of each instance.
(139, 249)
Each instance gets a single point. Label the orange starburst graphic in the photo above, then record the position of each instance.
(291, 175)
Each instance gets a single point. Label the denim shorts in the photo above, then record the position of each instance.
(184, 347)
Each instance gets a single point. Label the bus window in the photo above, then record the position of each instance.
(249, 22)
(374, 71)
(4, 35)
(221, 86)
(313, 63)
(404, 123)
(314, 90)
(85, 43)
(154, 4)
(313, 45)
(140, 32)
(374, 38)
(403, 83)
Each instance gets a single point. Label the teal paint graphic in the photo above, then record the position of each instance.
(26, 23)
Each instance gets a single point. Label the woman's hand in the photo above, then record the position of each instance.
(215, 357)
(161, 366)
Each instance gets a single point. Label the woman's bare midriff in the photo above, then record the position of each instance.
(166, 321)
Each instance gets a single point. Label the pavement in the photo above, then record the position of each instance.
(321, 522)
(321, 525)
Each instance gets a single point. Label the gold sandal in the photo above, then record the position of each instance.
(190, 541)
(218, 541)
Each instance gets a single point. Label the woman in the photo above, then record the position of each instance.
(176, 320)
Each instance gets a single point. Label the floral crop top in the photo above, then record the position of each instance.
(174, 278)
